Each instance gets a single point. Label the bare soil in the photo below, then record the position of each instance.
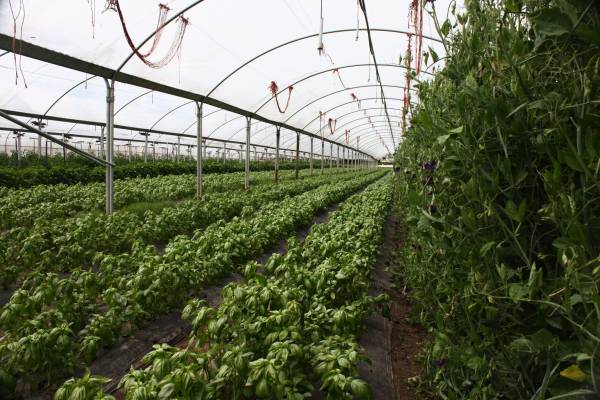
(393, 343)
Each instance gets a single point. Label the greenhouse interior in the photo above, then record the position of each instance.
(289, 199)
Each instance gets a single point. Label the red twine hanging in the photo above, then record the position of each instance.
(173, 50)
(275, 90)
(354, 98)
(332, 123)
(15, 17)
(347, 132)
(337, 72)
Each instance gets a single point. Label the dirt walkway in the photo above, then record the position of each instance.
(392, 344)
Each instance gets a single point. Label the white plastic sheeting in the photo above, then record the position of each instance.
(221, 36)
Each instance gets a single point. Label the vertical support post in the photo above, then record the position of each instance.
(154, 151)
(322, 155)
(247, 166)
(241, 152)
(18, 146)
(224, 150)
(41, 126)
(177, 154)
(102, 142)
(145, 147)
(337, 160)
(311, 155)
(199, 182)
(330, 155)
(64, 149)
(110, 114)
(343, 157)
(277, 137)
(297, 155)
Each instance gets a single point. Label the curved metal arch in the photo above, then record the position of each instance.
(340, 135)
(372, 144)
(363, 118)
(63, 95)
(340, 91)
(328, 70)
(329, 94)
(349, 102)
(308, 37)
(365, 109)
(244, 128)
(378, 127)
(177, 108)
(376, 132)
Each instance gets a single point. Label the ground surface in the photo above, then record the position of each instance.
(394, 343)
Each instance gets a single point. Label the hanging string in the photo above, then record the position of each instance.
(321, 47)
(415, 16)
(19, 27)
(274, 90)
(354, 98)
(321, 118)
(347, 132)
(182, 24)
(332, 124)
(337, 72)
(92, 4)
(357, 20)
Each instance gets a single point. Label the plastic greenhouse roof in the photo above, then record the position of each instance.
(221, 37)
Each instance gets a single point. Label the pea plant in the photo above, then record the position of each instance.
(501, 201)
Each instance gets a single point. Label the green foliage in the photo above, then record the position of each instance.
(289, 326)
(500, 193)
(36, 170)
(118, 290)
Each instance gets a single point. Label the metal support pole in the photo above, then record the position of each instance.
(64, 149)
(247, 166)
(199, 188)
(322, 142)
(146, 147)
(101, 143)
(110, 115)
(177, 154)
(297, 154)
(330, 155)
(337, 159)
(18, 146)
(241, 152)
(224, 151)
(41, 126)
(343, 157)
(277, 137)
(154, 151)
(311, 155)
